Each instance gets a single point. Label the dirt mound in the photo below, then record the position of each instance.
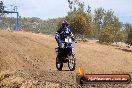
(28, 60)
(25, 50)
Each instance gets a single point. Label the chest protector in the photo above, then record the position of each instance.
(64, 33)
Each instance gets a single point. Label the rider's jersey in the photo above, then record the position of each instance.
(62, 33)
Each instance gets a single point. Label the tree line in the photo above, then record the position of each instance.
(102, 24)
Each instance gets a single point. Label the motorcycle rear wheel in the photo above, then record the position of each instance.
(59, 64)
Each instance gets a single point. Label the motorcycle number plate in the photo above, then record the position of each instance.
(68, 40)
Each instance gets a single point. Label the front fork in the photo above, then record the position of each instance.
(70, 55)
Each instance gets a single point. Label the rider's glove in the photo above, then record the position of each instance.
(75, 41)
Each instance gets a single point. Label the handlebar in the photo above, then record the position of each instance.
(65, 42)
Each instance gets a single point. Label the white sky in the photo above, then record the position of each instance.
(45, 9)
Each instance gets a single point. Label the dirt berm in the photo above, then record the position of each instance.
(27, 60)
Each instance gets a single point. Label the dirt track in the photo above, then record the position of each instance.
(28, 60)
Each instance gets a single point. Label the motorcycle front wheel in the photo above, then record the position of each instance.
(71, 62)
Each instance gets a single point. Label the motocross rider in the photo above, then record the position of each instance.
(62, 33)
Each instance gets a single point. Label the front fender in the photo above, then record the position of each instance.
(70, 47)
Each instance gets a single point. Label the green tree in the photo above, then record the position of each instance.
(75, 5)
(80, 20)
(98, 20)
(80, 23)
(128, 28)
(108, 26)
(106, 35)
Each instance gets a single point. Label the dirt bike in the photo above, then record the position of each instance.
(65, 55)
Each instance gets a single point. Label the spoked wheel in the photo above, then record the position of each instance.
(59, 64)
(71, 62)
